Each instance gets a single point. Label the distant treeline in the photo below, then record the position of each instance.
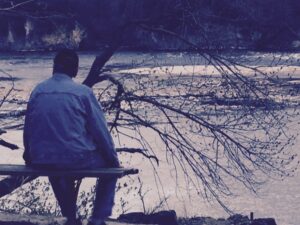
(150, 24)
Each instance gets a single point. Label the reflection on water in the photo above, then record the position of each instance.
(278, 199)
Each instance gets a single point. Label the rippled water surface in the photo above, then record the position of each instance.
(277, 198)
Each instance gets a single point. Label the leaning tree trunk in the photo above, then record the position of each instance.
(11, 183)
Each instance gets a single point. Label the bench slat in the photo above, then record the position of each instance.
(23, 170)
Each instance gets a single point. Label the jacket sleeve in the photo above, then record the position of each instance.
(26, 134)
(97, 126)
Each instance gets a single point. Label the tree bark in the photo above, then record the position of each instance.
(11, 183)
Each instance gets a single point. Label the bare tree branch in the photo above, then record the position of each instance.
(14, 6)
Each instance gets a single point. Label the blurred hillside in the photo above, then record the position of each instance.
(154, 24)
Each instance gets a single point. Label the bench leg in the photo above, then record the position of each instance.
(66, 194)
(77, 186)
(104, 201)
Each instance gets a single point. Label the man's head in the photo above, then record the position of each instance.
(66, 61)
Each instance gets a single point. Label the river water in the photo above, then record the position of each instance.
(277, 198)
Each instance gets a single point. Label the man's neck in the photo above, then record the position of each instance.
(62, 75)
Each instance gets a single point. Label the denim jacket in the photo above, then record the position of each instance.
(64, 122)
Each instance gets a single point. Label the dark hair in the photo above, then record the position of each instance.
(66, 61)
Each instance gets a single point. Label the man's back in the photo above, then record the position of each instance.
(59, 125)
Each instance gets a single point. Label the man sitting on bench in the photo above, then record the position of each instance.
(65, 129)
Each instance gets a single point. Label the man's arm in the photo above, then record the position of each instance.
(25, 136)
(27, 128)
(97, 126)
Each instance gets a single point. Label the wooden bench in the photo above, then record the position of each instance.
(22, 174)
(23, 170)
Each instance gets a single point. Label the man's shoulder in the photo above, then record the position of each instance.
(39, 87)
(69, 87)
(81, 89)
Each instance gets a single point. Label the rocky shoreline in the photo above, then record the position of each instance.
(170, 218)
(138, 218)
(232, 220)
